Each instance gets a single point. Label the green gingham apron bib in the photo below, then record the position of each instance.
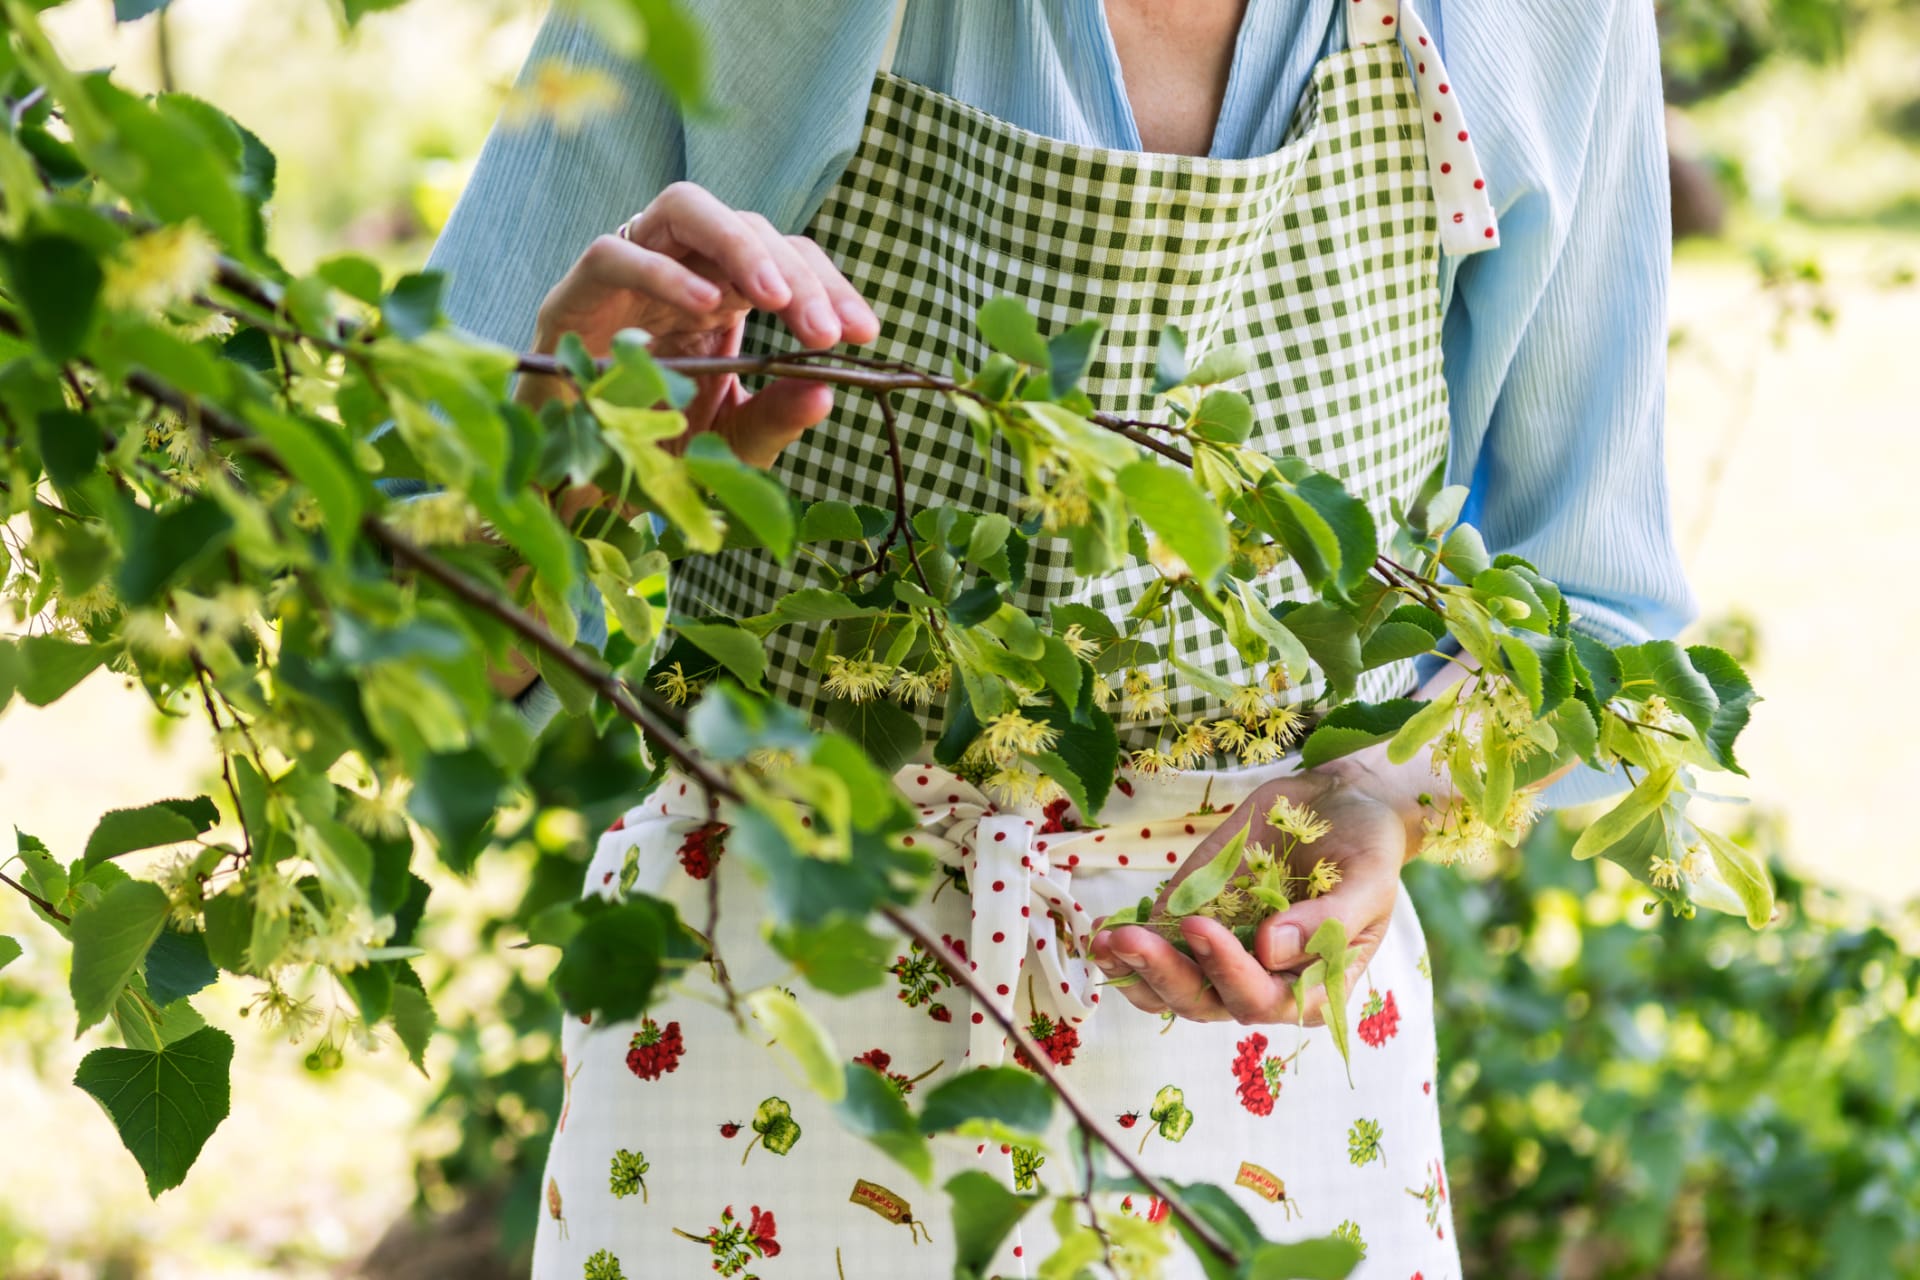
(685, 1150)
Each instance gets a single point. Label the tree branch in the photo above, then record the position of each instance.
(1043, 1067)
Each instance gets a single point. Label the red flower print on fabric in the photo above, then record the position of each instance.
(1258, 1074)
(1060, 1040)
(1379, 1019)
(654, 1051)
(700, 851)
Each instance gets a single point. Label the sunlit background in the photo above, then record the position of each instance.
(1793, 433)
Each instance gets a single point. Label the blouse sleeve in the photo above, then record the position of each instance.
(1556, 342)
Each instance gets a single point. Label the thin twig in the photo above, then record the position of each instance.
(1043, 1067)
(37, 900)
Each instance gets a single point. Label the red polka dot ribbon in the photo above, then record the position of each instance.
(1467, 221)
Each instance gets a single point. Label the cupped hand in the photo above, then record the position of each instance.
(1224, 981)
(689, 270)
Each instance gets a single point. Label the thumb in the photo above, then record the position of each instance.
(763, 424)
(1281, 942)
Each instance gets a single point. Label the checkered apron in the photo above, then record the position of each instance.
(684, 1150)
(1320, 259)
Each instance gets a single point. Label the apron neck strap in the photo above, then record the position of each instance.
(1467, 221)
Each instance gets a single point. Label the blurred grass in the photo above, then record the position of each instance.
(1792, 448)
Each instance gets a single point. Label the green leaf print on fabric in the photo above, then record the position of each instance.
(1170, 1116)
(1026, 1167)
(1363, 1142)
(603, 1266)
(1350, 1232)
(628, 1175)
(773, 1128)
(734, 1244)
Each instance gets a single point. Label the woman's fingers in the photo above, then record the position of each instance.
(811, 314)
(610, 262)
(1245, 990)
(686, 219)
(858, 323)
(1173, 981)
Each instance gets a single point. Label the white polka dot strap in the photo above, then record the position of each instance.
(1467, 223)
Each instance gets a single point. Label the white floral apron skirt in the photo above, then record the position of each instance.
(685, 1149)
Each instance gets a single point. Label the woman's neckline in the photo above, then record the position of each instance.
(1128, 117)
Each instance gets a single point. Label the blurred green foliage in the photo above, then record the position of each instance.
(1630, 1096)
(1708, 46)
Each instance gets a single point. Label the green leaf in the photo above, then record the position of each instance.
(1329, 1258)
(160, 546)
(1009, 328)
(1329, 944)
(69, 446)
(1222, 364)
(873, 1109)
(9, 951)
(413, 1022)
(839, 957)
(323, 467)
(984, 1214)
(1069, 352)
(1523, 664)
(1400, 638)
(455, 796)
(1745, 874)
(610, 966)
(110, 939)
(831, 521)
(1663, 667)
(1351, 522)
(56, 281)
(1423, 725)
(797, 1031)
(413, 305)
(165, 1103)
(1015, 1100)
(1639, 804)
(1091, 749)
(1355, 726)
(177, 966)
(1464, 554)
(50, 666)
(163, 822)
(1223, 416)
(754, 497)
(1735, 695)
(1333, 641)
(1168, 502)
(890, 736)
(735, 648)
(1205, 883)
(1170, 363)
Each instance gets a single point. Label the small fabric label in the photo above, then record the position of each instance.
(882, 1201)
(1260, 1181)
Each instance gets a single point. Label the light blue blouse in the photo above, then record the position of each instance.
(1555, 343)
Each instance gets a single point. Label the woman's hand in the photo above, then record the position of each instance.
(688, 271)
(1223, 980)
